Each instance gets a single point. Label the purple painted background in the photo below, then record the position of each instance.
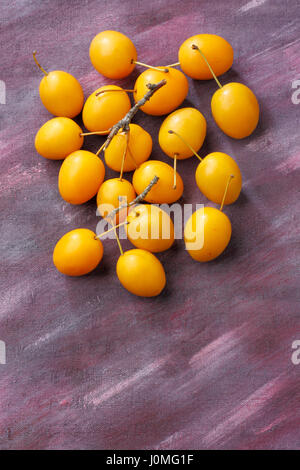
(208, 363)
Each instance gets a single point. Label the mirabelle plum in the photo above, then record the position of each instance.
(168, 97)
(78, 252)
(216, 49)
(212, 176)
(138, 150)
(60, 92)
(163, 191)
(113, 54)
(141, 273)
(189, 124)
(57, 138)
(104, 108)
(150, 228)
(207, 234)
(109, 195)
(80, 177)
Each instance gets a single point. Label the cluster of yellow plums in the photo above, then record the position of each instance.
(181, 135)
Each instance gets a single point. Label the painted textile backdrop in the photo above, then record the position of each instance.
(208, 363)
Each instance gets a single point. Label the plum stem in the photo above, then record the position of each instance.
(83, 134)
(114, 89)
(127, 135)
(100, 149)
(195, 47)
(225, 192)
(38, 64)
(160, 69)
(186, 143)
(173, 65)
(118, 241)
(110, 229)
(175, 172)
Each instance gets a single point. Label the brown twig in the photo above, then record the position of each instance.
(126, 120)
(137, 200)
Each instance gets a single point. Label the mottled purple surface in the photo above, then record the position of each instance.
(208, 363)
